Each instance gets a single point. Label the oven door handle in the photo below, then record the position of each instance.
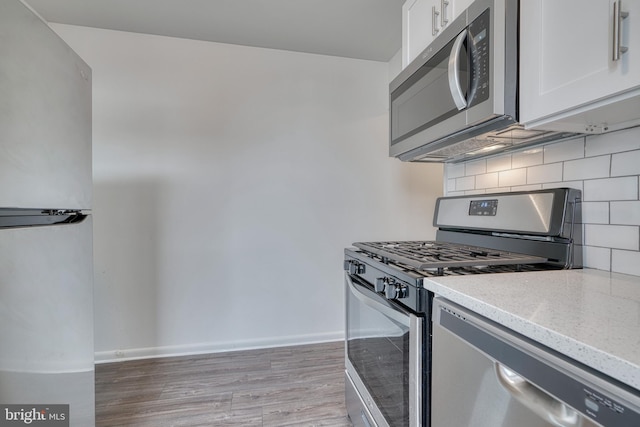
(378, 303)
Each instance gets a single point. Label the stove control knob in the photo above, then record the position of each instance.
(381, 282)
(354, 267)
(395, 291)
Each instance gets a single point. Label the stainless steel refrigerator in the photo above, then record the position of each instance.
(46, 261)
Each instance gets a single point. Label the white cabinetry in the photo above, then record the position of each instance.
(569, 79)
(423, 21)
(459, 6)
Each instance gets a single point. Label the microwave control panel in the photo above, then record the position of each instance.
(478, 45)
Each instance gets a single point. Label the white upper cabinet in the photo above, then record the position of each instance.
(580, 64)
(459, 6)
(423, 21)
(420, 25)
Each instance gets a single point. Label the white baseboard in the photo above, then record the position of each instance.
(213, 347)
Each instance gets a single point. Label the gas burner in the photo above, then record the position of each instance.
(437, 256)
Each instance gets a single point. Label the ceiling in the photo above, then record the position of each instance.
(362, 29)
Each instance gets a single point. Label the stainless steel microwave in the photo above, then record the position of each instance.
(459, 98)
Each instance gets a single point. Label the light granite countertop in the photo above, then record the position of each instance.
(589, 315)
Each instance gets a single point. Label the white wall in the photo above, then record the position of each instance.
(227, 181)
(605, 167)
(395, 65)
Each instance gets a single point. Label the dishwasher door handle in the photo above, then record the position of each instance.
(541, 403)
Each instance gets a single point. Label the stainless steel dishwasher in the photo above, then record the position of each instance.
(487, 376)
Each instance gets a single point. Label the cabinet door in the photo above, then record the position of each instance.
(420, 25)
(459, 6)
(568, 77)
(423, 21)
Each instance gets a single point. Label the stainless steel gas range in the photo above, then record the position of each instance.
(388, 310)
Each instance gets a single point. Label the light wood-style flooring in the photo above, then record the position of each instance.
(286, 386)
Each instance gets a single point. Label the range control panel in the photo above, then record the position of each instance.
(483, 207)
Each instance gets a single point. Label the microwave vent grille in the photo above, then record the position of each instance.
(487, 144)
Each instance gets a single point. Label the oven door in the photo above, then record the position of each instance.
(385, 360)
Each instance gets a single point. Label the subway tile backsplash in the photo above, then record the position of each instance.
(625, 164)
(587, 168)
(612, 236)
(513, 177)
(545, 173)
(626, 212)
(605, 167)
(610, 189)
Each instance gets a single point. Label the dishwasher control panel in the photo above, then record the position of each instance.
(606, 410)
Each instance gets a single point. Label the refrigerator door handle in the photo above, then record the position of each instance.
(12, 218)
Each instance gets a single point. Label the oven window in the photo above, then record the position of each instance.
(378, 348)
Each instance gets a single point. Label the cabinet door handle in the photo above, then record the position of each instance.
(618, 16)
(443, 9)
(434, 21)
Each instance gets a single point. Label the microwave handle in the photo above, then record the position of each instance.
(454, 72)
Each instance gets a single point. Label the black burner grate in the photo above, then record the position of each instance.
(427, 255)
